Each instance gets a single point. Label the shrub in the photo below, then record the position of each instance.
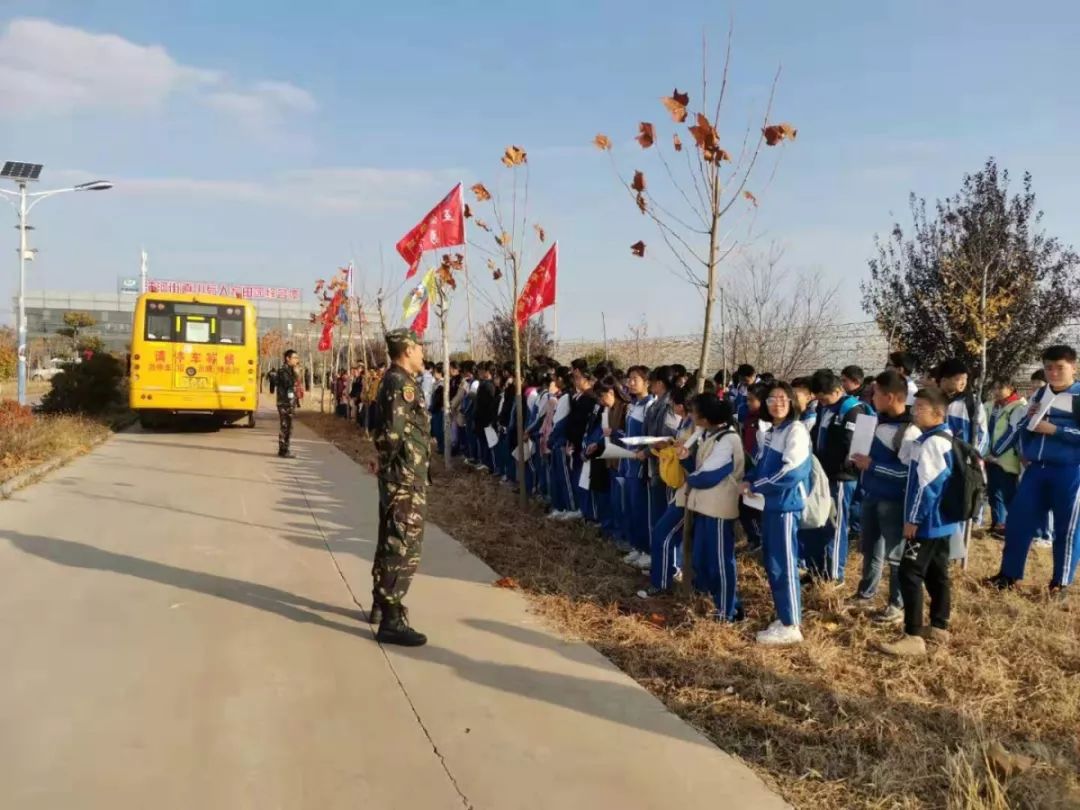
(90, 387)
(14, 417)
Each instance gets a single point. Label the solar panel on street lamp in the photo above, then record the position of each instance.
(21, 172)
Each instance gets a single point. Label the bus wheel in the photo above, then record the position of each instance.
(251, 419)
(146, 422)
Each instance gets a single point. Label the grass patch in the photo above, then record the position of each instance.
(28, 439)
(831, 723)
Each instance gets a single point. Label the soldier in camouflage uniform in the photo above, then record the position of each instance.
(285, 385)
(403, 443)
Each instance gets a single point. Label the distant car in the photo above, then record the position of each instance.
(48, 371)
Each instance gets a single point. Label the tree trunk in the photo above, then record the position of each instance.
(710, 297)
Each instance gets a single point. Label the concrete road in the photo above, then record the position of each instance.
(182, 629)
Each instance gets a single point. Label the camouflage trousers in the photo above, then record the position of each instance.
(285, 415)
(401, 531)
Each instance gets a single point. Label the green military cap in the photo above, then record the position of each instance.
(398, 339)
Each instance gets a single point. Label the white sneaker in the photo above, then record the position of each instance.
(575, 515)
(644, 562)
(1043, 542)
(779, 635)
(632, 558)
(556, 515)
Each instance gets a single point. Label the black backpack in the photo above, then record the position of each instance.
(966, 486)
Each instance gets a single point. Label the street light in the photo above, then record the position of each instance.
(21, 174)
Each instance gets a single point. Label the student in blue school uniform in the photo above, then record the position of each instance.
(1007, 415)
(1050, 446)
(782, 476)
(925, 561)
(560, 486)
(745, 378)
(633, 470)
(826, 548)
(712, 497)
(807, 403)
(596, 434)
(581, 408)
(884, 475)
(666, 554)
(660, 420)
(545, 402)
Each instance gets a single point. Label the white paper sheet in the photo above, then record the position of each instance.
(584, 478)
(644, 441)
(692, 439)
(862, 436)
(529, 449)
(754, 501)
(604, 420)
(612, 450)
(491, 436)
(1059, 401)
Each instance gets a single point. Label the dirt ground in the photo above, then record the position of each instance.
(990, 721)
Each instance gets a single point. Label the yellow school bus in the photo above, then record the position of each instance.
(194, 355)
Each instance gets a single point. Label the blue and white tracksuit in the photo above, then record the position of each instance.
(782, 475)
(666, 551)
(714, 538)
(928, 474)
(1051, 482)
(635, 485)
(977, 435)
(660, 420)
(560, 485)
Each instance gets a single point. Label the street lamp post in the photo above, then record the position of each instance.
(22, 174)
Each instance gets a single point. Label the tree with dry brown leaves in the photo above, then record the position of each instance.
(705, 208)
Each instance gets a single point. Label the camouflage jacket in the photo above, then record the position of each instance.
(403, 435)
(286, 387)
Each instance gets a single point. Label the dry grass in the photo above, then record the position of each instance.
(28, 441)
(831, 723)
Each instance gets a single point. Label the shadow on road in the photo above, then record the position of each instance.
(263, 597)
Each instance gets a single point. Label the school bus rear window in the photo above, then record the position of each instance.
(172, 322)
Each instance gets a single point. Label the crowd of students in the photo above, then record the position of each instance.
(640, 453)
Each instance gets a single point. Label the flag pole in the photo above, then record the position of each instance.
(468, 277)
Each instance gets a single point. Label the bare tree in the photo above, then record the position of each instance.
(777, 316)
(710, 198)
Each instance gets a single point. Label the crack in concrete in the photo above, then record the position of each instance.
(401, 686)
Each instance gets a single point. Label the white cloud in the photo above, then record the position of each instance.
(343, 190)
(50, 69)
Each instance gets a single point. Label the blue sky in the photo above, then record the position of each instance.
(273, 141)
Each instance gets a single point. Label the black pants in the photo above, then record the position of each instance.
(925, 562)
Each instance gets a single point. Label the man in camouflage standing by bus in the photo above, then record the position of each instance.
(403, 443)
(287, 399)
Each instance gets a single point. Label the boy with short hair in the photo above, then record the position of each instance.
(884, 478)
(904, 363)
(925, 561)
(807, 404)
(1050, 444)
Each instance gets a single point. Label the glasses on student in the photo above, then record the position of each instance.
(777, 401)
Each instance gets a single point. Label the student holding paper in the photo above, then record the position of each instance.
(782, 475)
(884, 477)
(561, 485)
(581, 408)
(715, 472)
(636, 525)
(1050, 446)
(666, 553)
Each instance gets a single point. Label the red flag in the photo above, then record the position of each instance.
(443, 226)
(420, 322)
(539, 289)
(324, 341)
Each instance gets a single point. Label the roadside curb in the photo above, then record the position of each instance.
(13, 485)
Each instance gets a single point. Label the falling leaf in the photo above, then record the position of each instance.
(750, 196)
(602, 142)
(638, 183)
(647, 136)
(540, 232)
(678, 143)
(705, 134)
(638, 248)
(481, 224)
(506, 582)
(468, 211)
(676, 105)
(482, 194)
(774, 133)
(514, 156)
(641, 203)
